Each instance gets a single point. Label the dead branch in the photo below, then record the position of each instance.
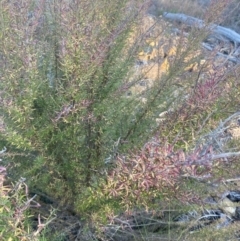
(231, 35)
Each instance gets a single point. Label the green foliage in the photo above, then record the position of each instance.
(64, 84)
(62, 90)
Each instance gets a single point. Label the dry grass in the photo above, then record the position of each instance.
(231, 16)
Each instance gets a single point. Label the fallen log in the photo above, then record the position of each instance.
(233, 56)
(231, 35)
(228, 57)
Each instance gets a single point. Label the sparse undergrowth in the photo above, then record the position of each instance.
(14, 211)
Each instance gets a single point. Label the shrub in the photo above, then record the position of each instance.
(62, 88)
(66, 71)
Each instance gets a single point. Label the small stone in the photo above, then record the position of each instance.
(237, 213)
(227, 206)
(234, 196)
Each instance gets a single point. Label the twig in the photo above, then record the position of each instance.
(41, 226)
(3, 150)
(232, 179)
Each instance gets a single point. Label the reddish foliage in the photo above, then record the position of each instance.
(156, 167)
(207, 92)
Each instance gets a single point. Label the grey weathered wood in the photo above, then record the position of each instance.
(183, 18)
(191, 21)
(228, 57)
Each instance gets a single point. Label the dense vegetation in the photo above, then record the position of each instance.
(69, 124)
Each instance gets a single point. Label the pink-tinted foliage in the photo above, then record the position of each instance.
(207, 92)
(156, 167)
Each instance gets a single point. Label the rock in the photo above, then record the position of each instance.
(237, 214)
(227, 206)
(234, 196)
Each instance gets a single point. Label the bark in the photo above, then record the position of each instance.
(231, 35)
(217, 32)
